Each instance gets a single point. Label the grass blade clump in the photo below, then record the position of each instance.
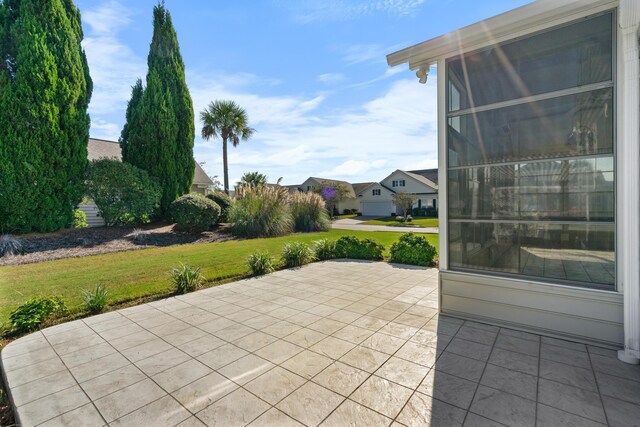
(261, 211)
(309, 212)
(261, 263)
(95, 301)
(186, 278)
(296, 254)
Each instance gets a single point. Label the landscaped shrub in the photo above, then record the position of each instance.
(9, 245)
(186, 278)
(123, 193)
(352, 247)
(413, 249)
(193, 212)
(223, 200)
(95, 301)
(324, 249)
(296, 254)
(33, 312)
(79, 219)
(261, 211)
(409, 218)
(138, 235)
(308, 212)
(431, 212)
(399, 218)
(261, 263)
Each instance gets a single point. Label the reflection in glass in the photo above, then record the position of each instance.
(576, 253)
(574, 125)
(563, 58)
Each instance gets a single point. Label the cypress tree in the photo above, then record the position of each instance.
(159, 132)
(45, 90)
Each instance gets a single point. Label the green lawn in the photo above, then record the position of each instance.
(136, 274)
(336, 217)
(421, 221)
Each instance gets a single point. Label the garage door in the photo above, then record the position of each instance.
(377, 208)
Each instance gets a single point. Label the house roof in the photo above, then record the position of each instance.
(105, 149)
(359, 187)
(326, 181)
(430, 174)
(526, 19)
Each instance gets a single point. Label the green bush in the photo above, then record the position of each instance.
(79, 219)
(123, 193)
(195, 213)
(186, 278)
(223, 200)
(32, 313)
(296, 254)
(9, 245)
(324, 249)
(352, 247)
(95, 301)
(261, 211)
(308, 212)
(413, 249)
(261, 263)
(431, 212)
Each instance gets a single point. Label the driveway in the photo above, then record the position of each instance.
(357, 225)
(336, 343)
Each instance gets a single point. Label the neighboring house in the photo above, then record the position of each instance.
(375, 198)
(538, 142)
(350, 202)
(103, 149)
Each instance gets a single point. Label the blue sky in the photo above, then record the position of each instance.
(311, 74)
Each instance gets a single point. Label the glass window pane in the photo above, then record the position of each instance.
(570, 56)
(574, 125)
(566, 190)
(575, 253)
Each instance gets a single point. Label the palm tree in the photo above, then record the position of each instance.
(227, 120)
(254, 179)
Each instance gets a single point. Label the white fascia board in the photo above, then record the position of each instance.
(515, 23)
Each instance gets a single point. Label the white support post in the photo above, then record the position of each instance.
(628, 173)
(443, 206)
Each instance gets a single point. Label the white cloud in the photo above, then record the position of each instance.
(330, 78)
(114, 67)
(306, 11)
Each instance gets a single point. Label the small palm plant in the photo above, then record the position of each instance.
(95, 301)
(261, 263)
(296, 254)
(186, 278)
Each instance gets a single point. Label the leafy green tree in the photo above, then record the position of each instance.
(226, 120)
(253, 178)
(123, 193)
(332, 193)
(159, 131)
(45, 90)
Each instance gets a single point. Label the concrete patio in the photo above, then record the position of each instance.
(335, 343)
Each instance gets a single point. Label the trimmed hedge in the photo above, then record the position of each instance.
(223, 200)
(195, 213)
(412, 249)
(352, 247)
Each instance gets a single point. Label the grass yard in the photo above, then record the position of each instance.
(420, 221)
(337, 217)
(133, 275)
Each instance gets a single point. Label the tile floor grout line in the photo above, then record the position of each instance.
(77, 383)
(595, 377)
(484, 368)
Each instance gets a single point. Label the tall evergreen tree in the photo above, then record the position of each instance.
(45, 90)
(159, 132)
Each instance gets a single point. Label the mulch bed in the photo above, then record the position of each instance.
(73, 243)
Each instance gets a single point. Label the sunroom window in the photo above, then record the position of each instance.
(531, 171)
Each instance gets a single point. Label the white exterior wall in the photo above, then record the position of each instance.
(411, 184)
(381, 205)
(581, 314)
(91, 210)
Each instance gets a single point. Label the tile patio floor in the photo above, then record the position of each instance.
(335, 343)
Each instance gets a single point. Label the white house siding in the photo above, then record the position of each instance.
(93, 216)
(411, 185)
(376, 205)
(578, 313)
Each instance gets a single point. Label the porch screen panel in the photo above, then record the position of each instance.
(531, 173)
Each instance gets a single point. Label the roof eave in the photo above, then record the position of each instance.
(527, 18)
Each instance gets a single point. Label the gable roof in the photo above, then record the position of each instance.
(359, 187)
(105, 149)
(421, 179)
(326, 181)
(430, 174)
